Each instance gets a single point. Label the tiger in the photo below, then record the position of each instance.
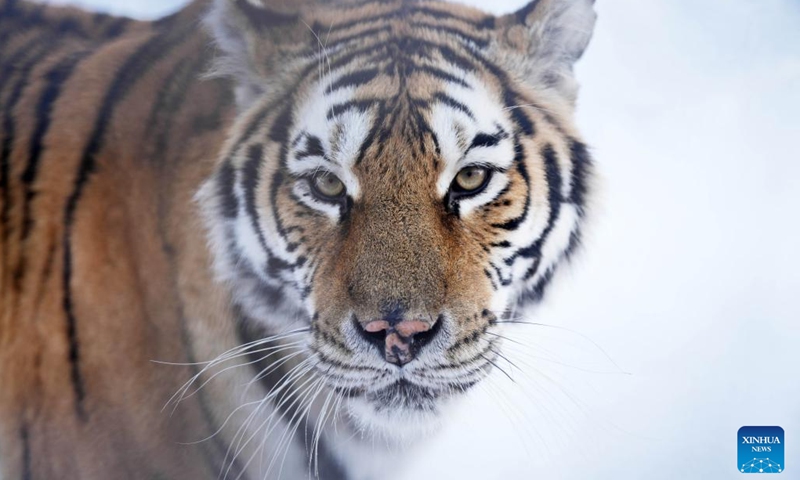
(273, 238)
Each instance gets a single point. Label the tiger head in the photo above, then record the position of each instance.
(403, 175)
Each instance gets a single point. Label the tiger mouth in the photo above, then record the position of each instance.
(406, 396)
(403, 395)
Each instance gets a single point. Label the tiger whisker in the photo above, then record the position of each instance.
(223, 425)
(508, 409)
(236, 350)
(561, 412)
(298, 370)
(506, 338)
(539, 358)
(181, 394)
(495, 365)
(524, 105)
(292, 424)
(585, 337)
(276, 351)
(241, 444)
(262, 341)
(291, 431)
(499, 354)
(258, 450)
(318, 428)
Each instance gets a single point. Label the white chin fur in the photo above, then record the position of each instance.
(396, 425)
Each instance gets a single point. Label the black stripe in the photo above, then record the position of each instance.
(531, 271)
(451, 56)
(372, 135)
(479, 42)
(522, 169)
(454, 104)
(117, 28)
(487, 140)
(361, 106)
(353, 79)
(277, 182)
(536, 293)
(225, 180)
(440, 74)
(524, 123)
(381, 17)
(554, 199)
(25, 442)
(503, 281)
(448, 15)
(171, 97)
(279, 132)
(40, 51)
(28, 19)
(408, 10)
(313, 148)
(491, 279)
(137, 64)
(251, 172)
(375, 52)
(55, 78)
(474, 337)
(581, 170)
(364, 35)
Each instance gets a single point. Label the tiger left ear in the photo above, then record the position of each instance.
(254, 37)
(546, 38)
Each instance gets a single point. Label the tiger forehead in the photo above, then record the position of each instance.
(379, 121)
(400, 16)
(399, 36)
(400, 94)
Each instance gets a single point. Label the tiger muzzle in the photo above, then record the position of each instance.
(400, 340)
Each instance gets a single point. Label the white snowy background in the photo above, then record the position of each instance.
(680, 322)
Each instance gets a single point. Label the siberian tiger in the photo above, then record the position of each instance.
(320, 212)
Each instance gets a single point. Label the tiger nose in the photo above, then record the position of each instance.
(399, 341)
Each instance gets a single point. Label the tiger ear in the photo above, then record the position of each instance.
(546, 38)
(253, 36)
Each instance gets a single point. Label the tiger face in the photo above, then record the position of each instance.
(402, 177)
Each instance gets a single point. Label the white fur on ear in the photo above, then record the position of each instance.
(563, 28)
(551, 35)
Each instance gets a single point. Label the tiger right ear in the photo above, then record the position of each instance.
(254, 36)
(545, 38)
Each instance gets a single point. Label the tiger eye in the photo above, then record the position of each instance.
(328, 185)
(471, 178)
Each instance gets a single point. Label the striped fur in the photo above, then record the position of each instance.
(157, 207)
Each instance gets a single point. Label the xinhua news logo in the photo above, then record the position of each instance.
(761, 450)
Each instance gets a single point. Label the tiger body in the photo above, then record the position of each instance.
(153, 213)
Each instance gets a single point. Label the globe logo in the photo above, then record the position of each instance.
(761, 465)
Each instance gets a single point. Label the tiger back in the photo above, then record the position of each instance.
(92, 184)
